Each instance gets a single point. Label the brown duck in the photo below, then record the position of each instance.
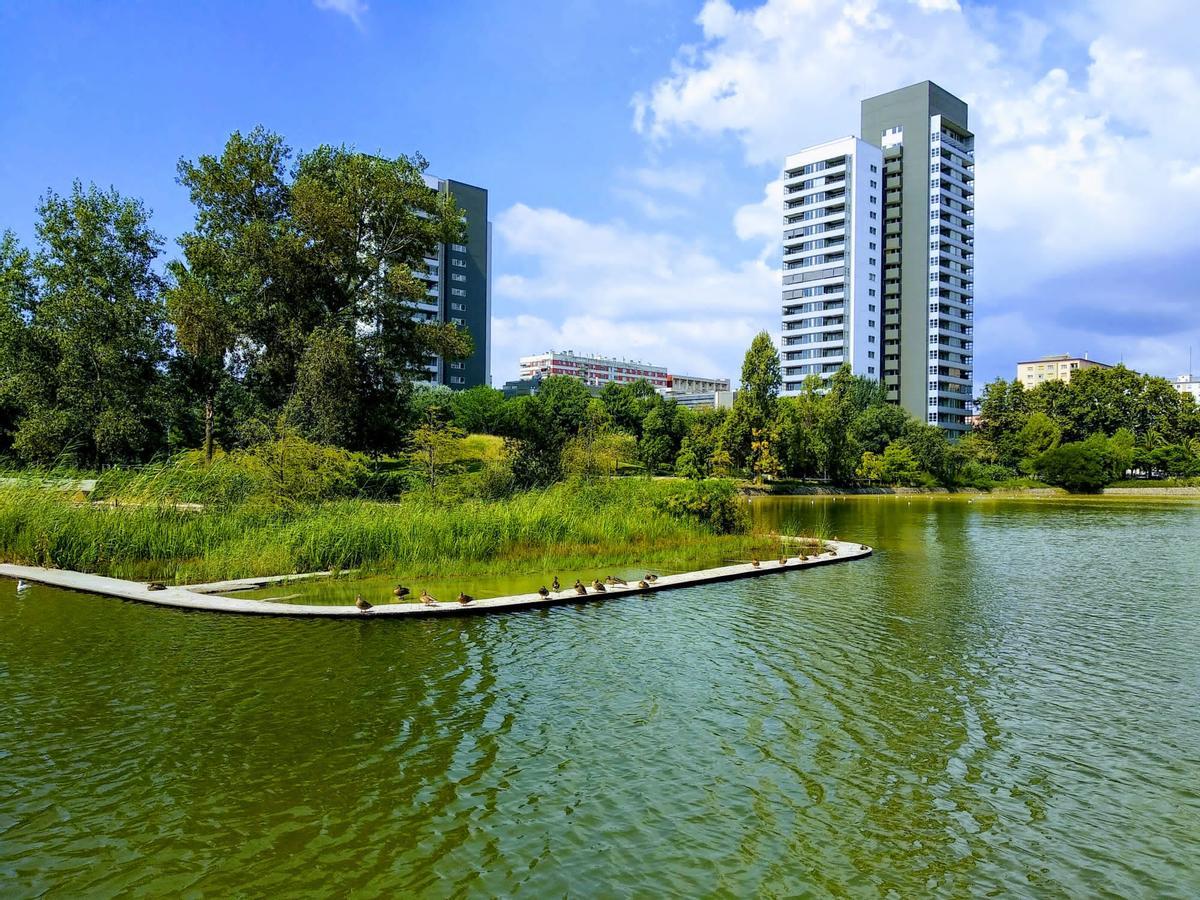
(362, 604)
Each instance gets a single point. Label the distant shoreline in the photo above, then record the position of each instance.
(818, 490)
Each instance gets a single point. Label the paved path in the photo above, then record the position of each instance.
(185, 598)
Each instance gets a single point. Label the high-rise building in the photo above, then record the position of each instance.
(878, 255)
(929, 250)
(460, 288)
(832, 224)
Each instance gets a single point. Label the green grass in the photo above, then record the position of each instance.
(139, 531)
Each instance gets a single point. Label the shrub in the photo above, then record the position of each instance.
(714, 502)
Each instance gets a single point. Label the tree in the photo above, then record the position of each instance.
(17, 293)
(1078, 466)
(877, 426)
(434, 445)
(838, 451)
(799, 417)
(296, 257)
(662, 432)
(537, 429)
(1039, 434)
(205, 333)
(764, 463)
(477, 410)
(88, 375)
(755, 406)
(1002, 414)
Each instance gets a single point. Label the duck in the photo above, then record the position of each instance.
(464, 599)
(22, 586)
(579, 588)
(598, 586)
(651, 578)
(426, 599)
(400, 591)
(555, 586)
(643, 585)
(543, 591)
(613, 579)
(362, 604)
(156, 586)
(783, 560)
(754, 562)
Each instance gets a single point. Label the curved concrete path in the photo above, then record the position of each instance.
(191, 598)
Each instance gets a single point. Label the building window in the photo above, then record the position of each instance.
(873, 168)
(871, 277)
(458, 306)
(871, 306)
(454, 276)
(874, 183)
(870, 260)
(870, 354)
(457, 292)
(457, 379)
(461, 248)
(874, 199)
(461, 263)
(457, 321)
(456, 365)
(874, 230)
(871, 293)
(871, 245)
(870, 338)
(874, 216)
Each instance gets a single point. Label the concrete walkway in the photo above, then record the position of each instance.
(185, 598)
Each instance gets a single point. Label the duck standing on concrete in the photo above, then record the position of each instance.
(651, 578)
(156, 586)
(613, 579)
(598, 587)
(400, 591)
(543, 592)
(643, 585)
(754, 562)
(579, 588)
(426, 599)
(555, 586)
(464, 599)
(783, 560)
(362, 604)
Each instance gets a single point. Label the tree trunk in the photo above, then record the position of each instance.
(208, 430)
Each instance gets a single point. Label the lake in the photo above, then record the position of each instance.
(1004, 699)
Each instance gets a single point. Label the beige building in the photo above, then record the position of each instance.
(1053, 368)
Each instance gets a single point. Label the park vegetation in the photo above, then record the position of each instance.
(253, 404)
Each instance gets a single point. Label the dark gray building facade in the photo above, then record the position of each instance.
(460, 288)
(928, 252)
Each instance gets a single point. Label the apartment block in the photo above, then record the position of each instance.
(832, 224)
(459, 288)
(1188, 384)
(1033, 372)
(878, 255)
(929, 250)
(595, 371)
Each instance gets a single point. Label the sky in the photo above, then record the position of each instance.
(632, 148)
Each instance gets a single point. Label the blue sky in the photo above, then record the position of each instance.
(631, 149)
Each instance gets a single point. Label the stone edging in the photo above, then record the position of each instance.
(185, 598)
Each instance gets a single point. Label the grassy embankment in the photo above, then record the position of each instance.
(181, 523)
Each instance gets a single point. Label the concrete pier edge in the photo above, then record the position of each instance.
(186, 598)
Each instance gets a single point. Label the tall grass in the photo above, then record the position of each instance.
(141, 531)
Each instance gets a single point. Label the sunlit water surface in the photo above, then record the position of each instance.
(1004, 699)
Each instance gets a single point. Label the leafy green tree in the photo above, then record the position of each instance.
(870, 467)
(900, 465)
(315, 266)
(877, 426)
(700, 443)
(1039, 434)
(478, 410)
(1084, 466)
(662, 432)
(435, 445)
(17, 295)
(88, 374)
(838, 450)
(629, 404)
(1003, 412)
(537, 429)
(764, 445)
(799, 417)
(755, 406)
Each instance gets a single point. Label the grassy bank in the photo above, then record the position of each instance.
(140, 535)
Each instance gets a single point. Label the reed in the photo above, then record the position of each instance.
(147, 526)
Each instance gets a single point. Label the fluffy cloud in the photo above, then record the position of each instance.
(613, 289)
(1084, 158)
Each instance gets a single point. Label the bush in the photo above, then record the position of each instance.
(714, 502)
(1085, 466)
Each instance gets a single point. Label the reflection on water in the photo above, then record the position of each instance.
(1004, 698)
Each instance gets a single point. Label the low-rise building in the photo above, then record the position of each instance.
(596, 371)
(691, 384)
(704, 399)
(1188, 384)
(1054, 368)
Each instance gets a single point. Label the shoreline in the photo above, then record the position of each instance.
(819, 490)
(193, 598)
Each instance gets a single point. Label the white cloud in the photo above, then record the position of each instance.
(1083, 159)
(617, 290)
(354, 10)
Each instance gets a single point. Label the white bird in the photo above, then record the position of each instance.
(22, 585)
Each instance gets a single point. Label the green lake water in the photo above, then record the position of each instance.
(1004, 700)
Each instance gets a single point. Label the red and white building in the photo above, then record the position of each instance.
(595, 371)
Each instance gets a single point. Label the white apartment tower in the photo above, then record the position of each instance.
(885, 280)
(832, 224)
